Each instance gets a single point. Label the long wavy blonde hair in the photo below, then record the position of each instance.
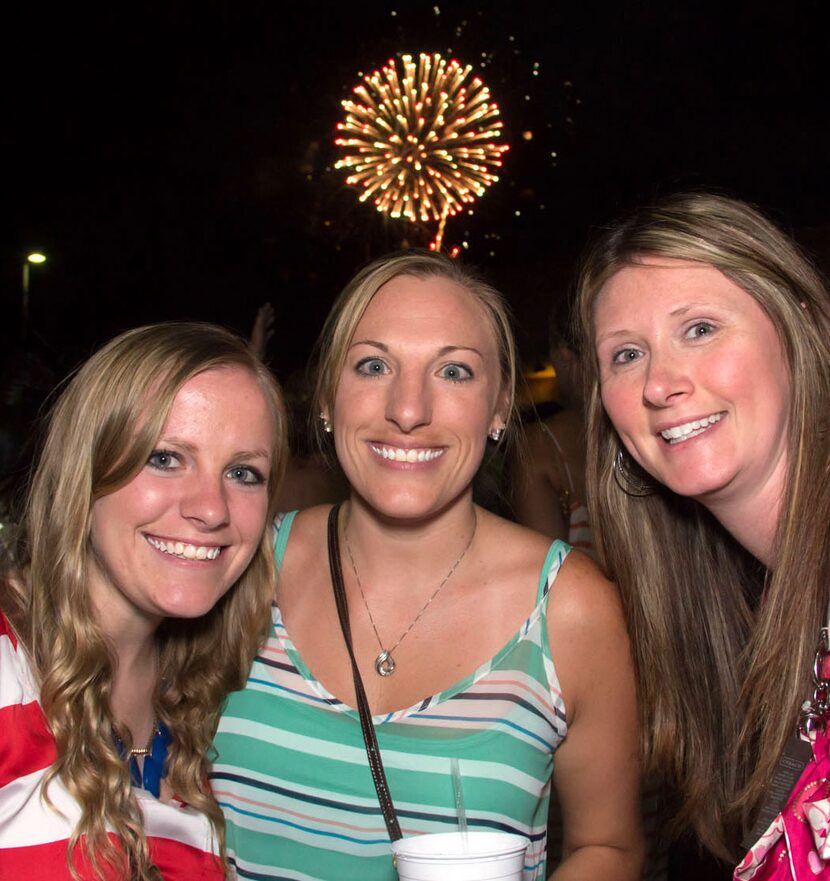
(720, 685)
(100, 433)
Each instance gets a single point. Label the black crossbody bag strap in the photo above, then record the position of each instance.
(369, 738)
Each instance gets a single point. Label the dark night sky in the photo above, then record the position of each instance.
(174, 159)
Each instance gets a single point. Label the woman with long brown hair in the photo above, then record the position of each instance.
(709, 458)
(135, 601)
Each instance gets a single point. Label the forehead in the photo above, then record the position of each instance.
(436, 309)
(658, 285)
(233, 389)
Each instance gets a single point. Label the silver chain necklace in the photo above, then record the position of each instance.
(384, 662)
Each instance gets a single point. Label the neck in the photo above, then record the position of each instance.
(752, 522)
(135, 675)
(392, 549)
(133, 689)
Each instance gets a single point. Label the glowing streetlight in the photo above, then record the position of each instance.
(37, 258)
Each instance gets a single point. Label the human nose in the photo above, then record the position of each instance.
(205, 502)
(667, 378)
(408, 404)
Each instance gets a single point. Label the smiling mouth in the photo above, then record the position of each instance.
(399, 454)
(679, 433)
(184, 551)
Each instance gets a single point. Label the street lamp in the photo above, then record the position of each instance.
(37, 258)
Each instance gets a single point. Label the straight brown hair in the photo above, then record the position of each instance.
(720, 684)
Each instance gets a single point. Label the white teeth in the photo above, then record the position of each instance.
(185, 551)
(679, 433)
(398, 454)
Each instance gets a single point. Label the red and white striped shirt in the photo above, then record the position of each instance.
(33, 836)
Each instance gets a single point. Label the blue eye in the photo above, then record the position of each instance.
(163, 460)
(700, 329)
(246, 474)
(625, 356)
(456, 372)
(372, 367)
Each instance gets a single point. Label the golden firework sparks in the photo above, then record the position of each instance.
(421, 145)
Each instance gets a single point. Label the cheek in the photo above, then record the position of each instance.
(618, 402)
(112, 512)
(355, 402)
(99, 537)
(108, 541)
(748, 375)
(141, 499)
(249, 516)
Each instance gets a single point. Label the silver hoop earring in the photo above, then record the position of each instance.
(326, 423)
(627, 480)
(495, 435)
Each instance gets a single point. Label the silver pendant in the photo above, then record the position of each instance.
(384, 664)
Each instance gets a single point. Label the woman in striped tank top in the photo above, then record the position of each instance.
(478, 642)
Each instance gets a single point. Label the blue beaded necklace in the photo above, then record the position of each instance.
(155, 755)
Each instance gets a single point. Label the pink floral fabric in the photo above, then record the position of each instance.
(796, 846)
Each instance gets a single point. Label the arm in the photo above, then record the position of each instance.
(596, 770)
(537, 502)
(262, 330)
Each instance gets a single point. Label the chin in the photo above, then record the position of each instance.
(405, 507)
(190, 606)
(699, 488)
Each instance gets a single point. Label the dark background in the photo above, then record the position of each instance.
(174, 160)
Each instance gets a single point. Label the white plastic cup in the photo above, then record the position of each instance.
(459, 856)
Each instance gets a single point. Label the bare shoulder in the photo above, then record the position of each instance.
(306, 546)
(582, 596)
(309, 523)
(512, 547)
(587, 631)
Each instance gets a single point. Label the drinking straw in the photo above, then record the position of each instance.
(458, 791)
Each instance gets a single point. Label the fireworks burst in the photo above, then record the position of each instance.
(423, 145)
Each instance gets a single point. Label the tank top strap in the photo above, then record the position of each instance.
(282, 528)
(553, 560)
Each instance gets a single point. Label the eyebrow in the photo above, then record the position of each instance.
(444, 350)
(374, 343)
(682, 310)
(679, 312)
(612, 335)
(252, 454)
(192, 449)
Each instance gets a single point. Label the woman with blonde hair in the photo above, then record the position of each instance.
(481, 657)
(137, 596)
(709, 458)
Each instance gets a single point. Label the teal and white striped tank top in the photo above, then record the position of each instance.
(292, 777)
